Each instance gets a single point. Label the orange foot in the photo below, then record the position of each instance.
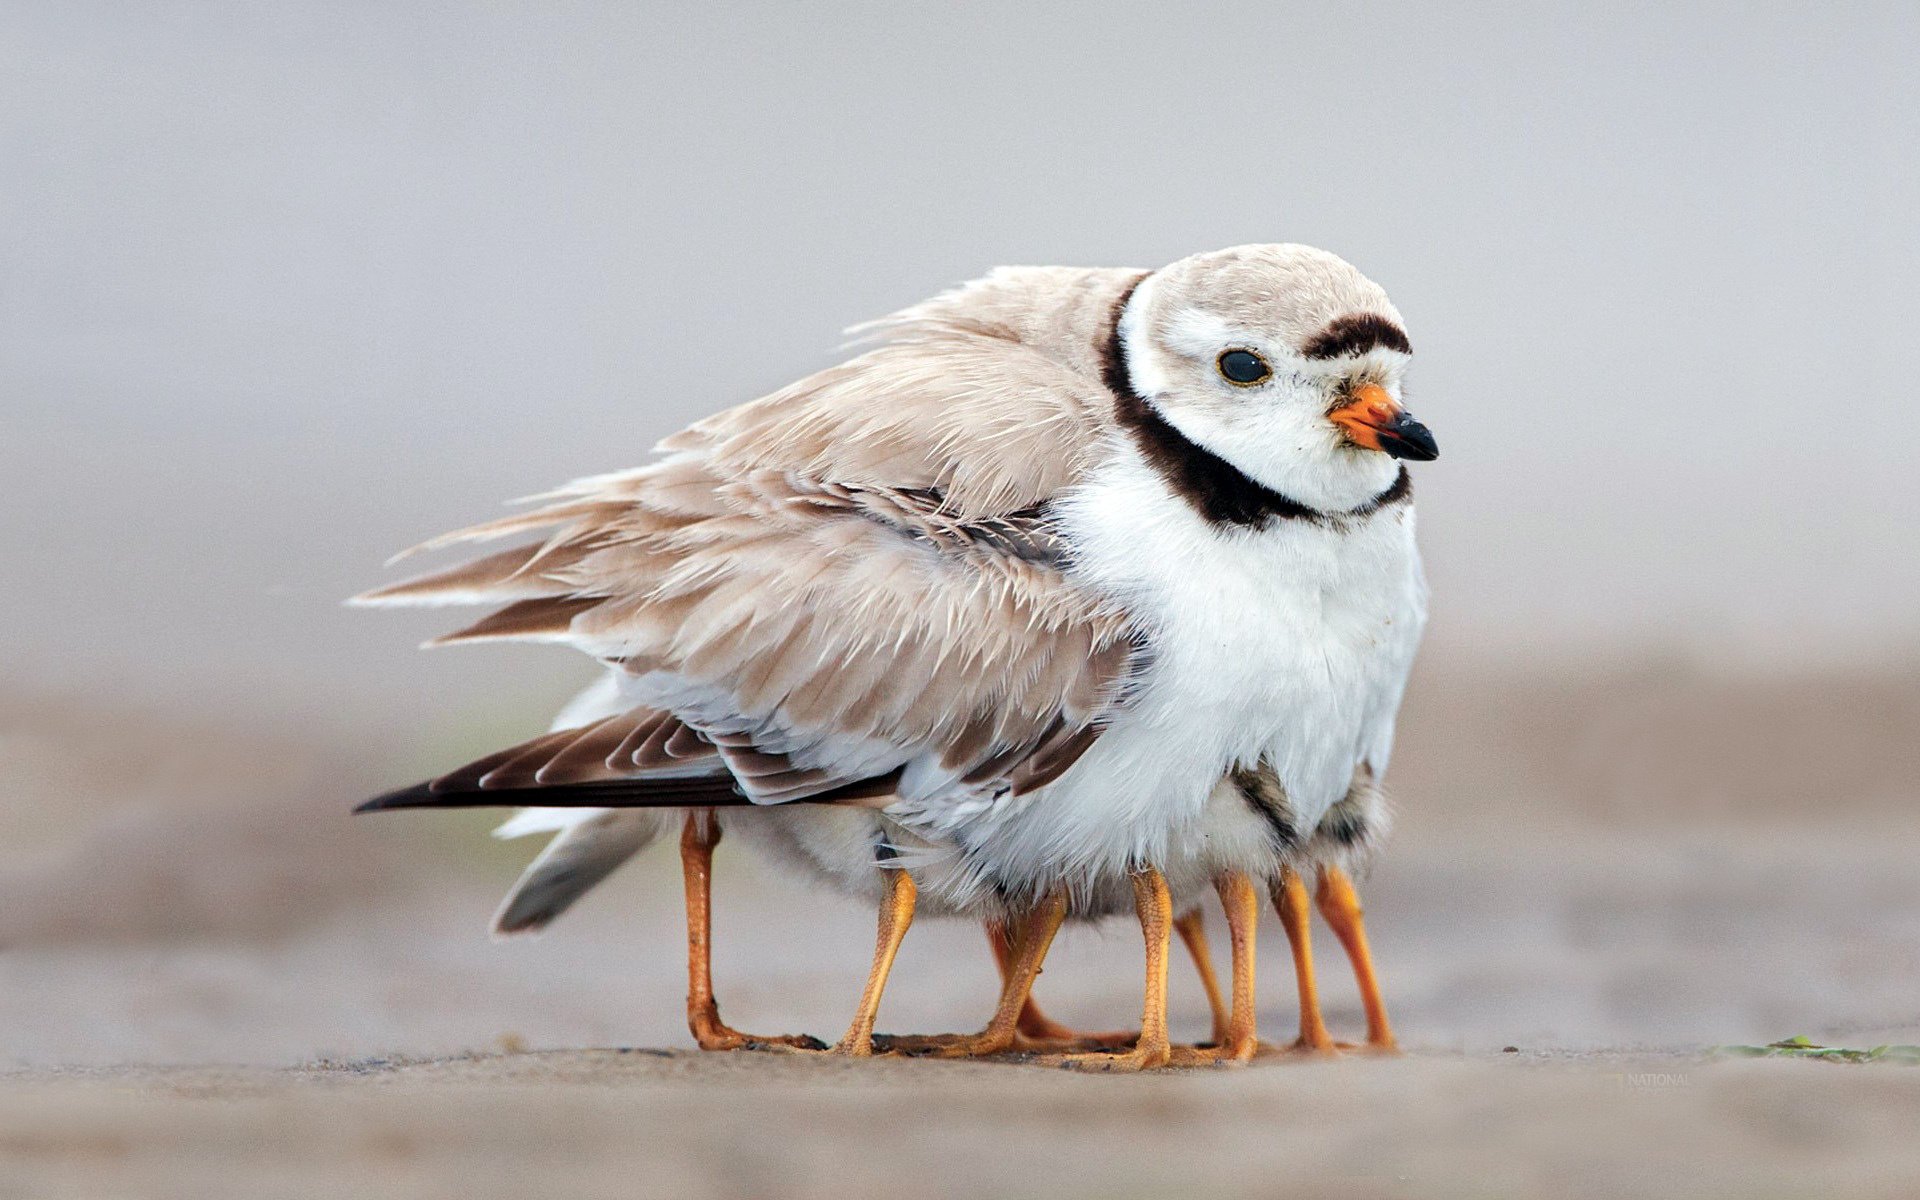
(1140, 1058)
(1304, 1048)
(710, 1033)
(783, 1043)
(1038, 1031)
(989, 1043)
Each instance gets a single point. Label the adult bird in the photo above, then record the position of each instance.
(1032, 577)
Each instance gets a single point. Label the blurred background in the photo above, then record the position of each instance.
(285, 288)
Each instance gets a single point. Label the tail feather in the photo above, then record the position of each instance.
(585, 852)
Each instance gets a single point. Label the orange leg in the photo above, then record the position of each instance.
(697, 841)
(1339, 904)
(1240, 1041)
(1032, 1022)
(1193, 932)
(1290, 901)
(1037, 931)
(1155, 908)
(1035, 1029)
(896, 915)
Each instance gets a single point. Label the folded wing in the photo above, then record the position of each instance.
(851, 584)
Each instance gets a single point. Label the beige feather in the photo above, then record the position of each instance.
(862, 554)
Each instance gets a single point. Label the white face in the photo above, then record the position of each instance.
(1324, 431)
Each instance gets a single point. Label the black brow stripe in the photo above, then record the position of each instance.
(1357, 334)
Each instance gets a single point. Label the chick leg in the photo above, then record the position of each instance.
(1290, 901)
(1037, 931)
(1032, 1022)
(1339, 904)
(1034, 1029)
(1193, 932)
(896, 915)
(697, 841)
(1154, 905)
(1239, 1041)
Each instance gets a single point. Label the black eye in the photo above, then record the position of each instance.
(1243, 368)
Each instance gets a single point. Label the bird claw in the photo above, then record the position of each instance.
(1140, 1058)
(791, 1043)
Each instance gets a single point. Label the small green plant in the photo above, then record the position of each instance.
(1801, 1047)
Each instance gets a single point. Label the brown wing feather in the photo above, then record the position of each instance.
(490, 576)
(627, 753)
(586, 758)
(546, 618)
(519, 776)
(469, 777)
(864, 555)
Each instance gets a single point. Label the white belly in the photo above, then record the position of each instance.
(1291, 643)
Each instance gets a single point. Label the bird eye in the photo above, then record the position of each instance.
(1243, 368)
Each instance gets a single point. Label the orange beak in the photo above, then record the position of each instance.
(1373, 421)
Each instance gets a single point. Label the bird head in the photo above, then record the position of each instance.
(1283, 360)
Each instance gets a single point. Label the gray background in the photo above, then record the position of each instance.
(286, 287)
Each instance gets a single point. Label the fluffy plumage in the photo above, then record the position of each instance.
(947, 575)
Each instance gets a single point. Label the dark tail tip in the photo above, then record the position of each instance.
(418, 796)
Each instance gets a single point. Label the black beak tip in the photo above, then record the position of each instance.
(1409, 439)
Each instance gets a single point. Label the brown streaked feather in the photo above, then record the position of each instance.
(653, 751)
(866, 554)
(923, 514)
(585, 759)
(523, 769)
(492, 575)
(768, 777)
(997, 765)
(1108, 669)
(566, 766)
(686, 742)
(996, 423)
(1051, 758)
(824, 700)
(973, 741)
(779, 783)
(548, 617)
(531, 571)
(469, 776)
(748, 763)
(589, 511)
(626, 754)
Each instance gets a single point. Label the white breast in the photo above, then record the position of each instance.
(1291, 642)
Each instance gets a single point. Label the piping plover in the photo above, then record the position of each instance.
(1034, 577)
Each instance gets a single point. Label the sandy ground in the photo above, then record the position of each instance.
(681, 1124)
(211, 982)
